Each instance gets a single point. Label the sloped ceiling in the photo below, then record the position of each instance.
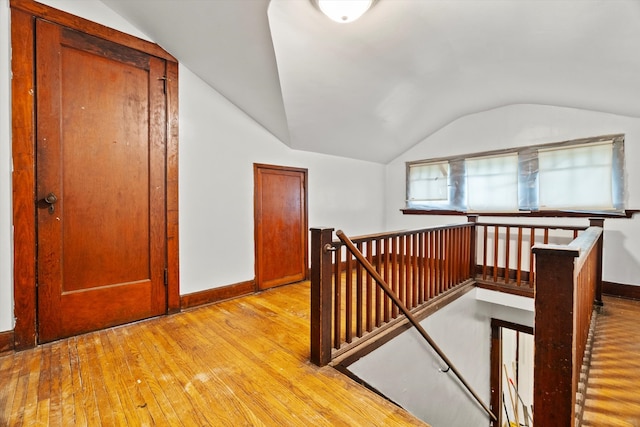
(373, 88)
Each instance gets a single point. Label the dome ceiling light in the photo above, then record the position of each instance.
(344, 11)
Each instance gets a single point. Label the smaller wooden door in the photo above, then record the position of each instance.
(280, 225)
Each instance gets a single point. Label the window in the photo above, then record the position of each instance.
(560, 168)
(492, 183)
(579, 175)
(429, 182)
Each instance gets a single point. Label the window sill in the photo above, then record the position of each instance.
(628, 213)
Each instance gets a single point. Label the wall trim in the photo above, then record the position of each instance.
(6, 341)
(621, 290)
(210, 296)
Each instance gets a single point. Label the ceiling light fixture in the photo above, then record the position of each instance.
(344, 11)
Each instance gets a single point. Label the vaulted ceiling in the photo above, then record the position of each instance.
(373, 88)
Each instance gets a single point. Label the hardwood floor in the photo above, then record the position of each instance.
(613, 387)
(243, 362)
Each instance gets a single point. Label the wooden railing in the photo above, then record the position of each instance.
(349, 309)
(504, 253)
(346, 303)
(362, 260)
(568, 284)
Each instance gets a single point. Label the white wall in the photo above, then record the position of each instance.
(218, 146)
(6, 235)
(407, 370)
(521, 125)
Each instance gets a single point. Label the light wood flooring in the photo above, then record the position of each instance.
(613, 387)
(243, 362)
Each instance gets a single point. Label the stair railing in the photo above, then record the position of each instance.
(385, 287)
(425, 268)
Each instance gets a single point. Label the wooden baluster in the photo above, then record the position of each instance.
(453, 243)
(415, 276)
(466, 251)
(447, 257)
(484, 251)
(546, 235)
(507, 249)
(348, 303)
(426, 261)
(359, 296)
(496, 241)
(406, 288)
(440, 263)
(411, 273)
(433, 253)
(422, 282)
(379, 296)
(436, 263)
(337, 297)
(598, 222)
(532, 277)
(519, 270)
(473, 245)
(453, 249)
(394, 272)
(401, 277)
(368, 288)
(445, 260)
(459, 253)
(387, 300)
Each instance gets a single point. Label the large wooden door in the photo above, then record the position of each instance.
(100, 183)
(280, 225)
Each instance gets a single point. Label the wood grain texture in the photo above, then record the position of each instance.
(280, 225)
(554, 359)
(621, 290)
(6, 341)
(209, 296)
(239, 362)
(23, 178)
(59, 17)
(101, 144)
(173, 250)
(612, 397)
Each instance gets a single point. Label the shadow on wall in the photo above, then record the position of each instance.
(619, 263)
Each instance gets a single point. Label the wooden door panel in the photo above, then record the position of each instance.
(100, 149)
(95, 201)
(281, 225)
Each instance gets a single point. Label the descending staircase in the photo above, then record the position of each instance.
(612, 396)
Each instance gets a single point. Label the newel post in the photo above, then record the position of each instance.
(474, 244)
(553, 392)
(598, 222)
(321, 296)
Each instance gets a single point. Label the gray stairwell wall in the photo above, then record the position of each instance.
(408, 371)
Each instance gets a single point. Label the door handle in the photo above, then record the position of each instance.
(51, 200)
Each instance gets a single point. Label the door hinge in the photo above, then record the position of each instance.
(166, 277)
(164, 81)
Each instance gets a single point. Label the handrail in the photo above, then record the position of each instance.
(371, 270)
(349, 309)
